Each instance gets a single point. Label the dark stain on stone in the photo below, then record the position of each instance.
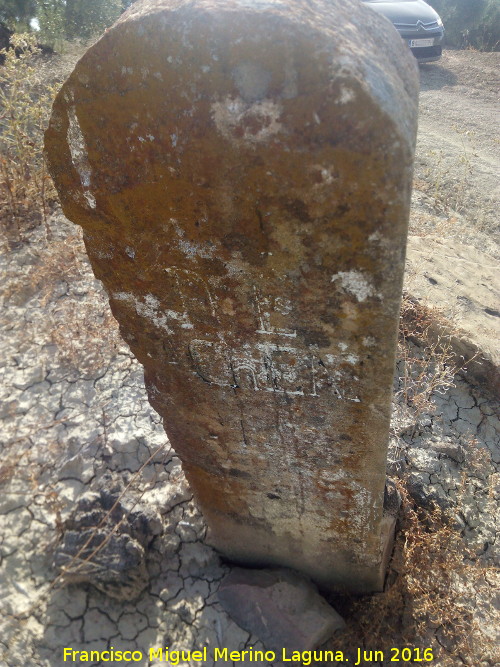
(234, 242)
(298, 209)
(342, 209)
(236, 472)
(314, 337)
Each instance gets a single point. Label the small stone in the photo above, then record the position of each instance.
(117, 569)
(186, 531)
(146, 523)
(27, 377)
(421, 494)
(452, 450)
(423, 460)
(77, 468)
(283, 609)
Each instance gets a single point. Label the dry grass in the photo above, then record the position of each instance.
(94, 336)
(26, 190)
(447, 181)
(426, 363)
(433, 586)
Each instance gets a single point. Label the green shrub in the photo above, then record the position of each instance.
(470, 23)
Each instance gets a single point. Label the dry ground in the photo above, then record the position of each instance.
(456, 187)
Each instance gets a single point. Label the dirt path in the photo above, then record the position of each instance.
(457, 164)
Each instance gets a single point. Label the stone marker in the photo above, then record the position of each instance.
(242, 173)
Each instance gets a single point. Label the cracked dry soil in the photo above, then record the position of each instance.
(75, 418)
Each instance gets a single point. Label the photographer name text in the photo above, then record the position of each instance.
(202, 655)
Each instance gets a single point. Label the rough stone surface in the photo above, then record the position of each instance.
(279, 607)
(243, 185)
(463, 284)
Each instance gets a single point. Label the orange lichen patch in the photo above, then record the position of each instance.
(224, 494)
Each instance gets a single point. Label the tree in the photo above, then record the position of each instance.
(17, 14)
(84, 18)
(69, 19)
(50, 16)
(469, 23)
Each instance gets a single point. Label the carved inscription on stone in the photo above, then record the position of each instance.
(269, 367)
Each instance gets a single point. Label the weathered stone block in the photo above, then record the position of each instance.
(242, 173)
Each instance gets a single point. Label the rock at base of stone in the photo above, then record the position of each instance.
(280, 607)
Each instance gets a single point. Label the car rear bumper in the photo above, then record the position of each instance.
(428, 54)
(431, 48)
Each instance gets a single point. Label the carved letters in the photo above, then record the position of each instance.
(271, 367)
